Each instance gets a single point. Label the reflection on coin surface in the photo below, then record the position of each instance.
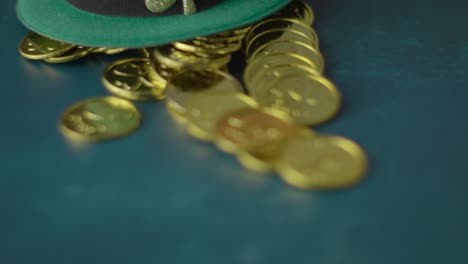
(100, 119)
(322, 162)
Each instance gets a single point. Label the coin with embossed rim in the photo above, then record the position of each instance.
(322, 162)
(37, 47)
(100, 119)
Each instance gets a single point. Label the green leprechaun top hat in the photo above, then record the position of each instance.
(138, 23)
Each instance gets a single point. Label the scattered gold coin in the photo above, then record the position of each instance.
(100, 119)
(322, 162)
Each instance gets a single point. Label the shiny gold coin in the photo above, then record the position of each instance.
(308, 99)
(260, 132)
(100, 119)
(296, 47)
(37, 47)
(282, 24)
(75, 53)
(269, 36)
(297, 10)
(189, 83)
(201, 47)
(178, 60)
(322, 162)
(133, 79)
(207, 108)
(265, 75)
(266, 62)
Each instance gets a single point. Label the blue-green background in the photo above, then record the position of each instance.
(159, 196)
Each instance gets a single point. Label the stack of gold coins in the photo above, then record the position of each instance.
(285, 67)
(37, 47)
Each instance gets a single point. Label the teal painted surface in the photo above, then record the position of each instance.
(159, 196)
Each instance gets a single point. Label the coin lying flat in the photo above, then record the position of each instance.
(207, 108)
(37, 47)
(100, 119)
(133, 79)
(322, 162)
(75, 53)
(308, 99)
(186, 84)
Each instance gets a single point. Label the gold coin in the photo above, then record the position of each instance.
(75, 53)
(253, 130)
(132, 79)
(308, 99)
(282, 24)
(206, 48)
(100, 119)
(297, 10)
(269, 36)
(189, 83)
(99, 50)
(265, 158)
(273, 59)
(37, 47)
(265, 75)
(178, 60)
(322, 162)
(207, 108)
(112, 51)
(296, 47)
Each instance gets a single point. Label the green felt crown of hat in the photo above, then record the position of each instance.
(130, 23)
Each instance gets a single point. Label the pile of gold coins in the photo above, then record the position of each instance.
(266, 128)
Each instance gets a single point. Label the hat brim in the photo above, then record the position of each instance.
(59, 20)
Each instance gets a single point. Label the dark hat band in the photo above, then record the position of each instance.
(134, 8)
